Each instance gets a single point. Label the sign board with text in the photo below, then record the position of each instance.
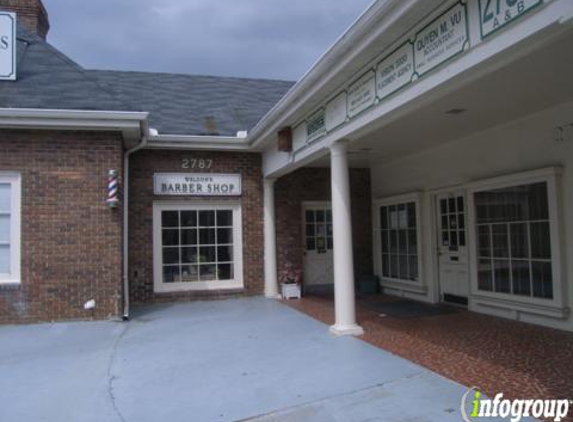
(197, 184)
(494, 14)
(7, 46)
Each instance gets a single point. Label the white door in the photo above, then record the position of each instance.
(452, 247)
(317, 237)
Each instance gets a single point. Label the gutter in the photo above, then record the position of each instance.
(363, 30)
(232, 143)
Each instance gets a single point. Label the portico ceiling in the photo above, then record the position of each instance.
(534, 82)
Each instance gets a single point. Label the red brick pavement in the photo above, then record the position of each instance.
(496, 355)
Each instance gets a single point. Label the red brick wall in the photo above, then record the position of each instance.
(70, 240)
(143, 165)
(313, 184)
(31, 14)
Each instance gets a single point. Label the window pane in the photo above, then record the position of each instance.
(170, 218)
(462, 237)
(188, 218)
(171, 255)
(310, 229)
(384, 239)
(384, 218)
(402, 216)
(171, 274)
(189, 236)
(4, 228)
(394, 266)
(542, 279)
(500, 240)
(412, 242)
(5, 196)
(207, 236)
(189, 273)
(460, 204)
(309, 216)
(443, 206)
(445, 238)
(413, 267)
(329, 216)
(224, 218)
(403, 263)
(392, 217)
(329, 243)
(224, 236)
(461, 221)
(484, 246)
(310, 244)
(225, 271)
(224, 253)
(519, 240)
(452, 205)
(540, 243)
(206, 218)
(485, 281)
(189, 255)
(393, 241)
(538, 207)
(403, 241)
(453, 238)
(4, 259)
(411, 215)
(320, 216)
(329, 229)
(385, 265)
(445, 222)
(207, 254)
(521, 278)
(170, 237)
(501, 276)
(207, 272)
(321, 230)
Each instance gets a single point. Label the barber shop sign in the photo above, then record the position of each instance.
(197, 184)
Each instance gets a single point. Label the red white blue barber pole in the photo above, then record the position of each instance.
(112, 185)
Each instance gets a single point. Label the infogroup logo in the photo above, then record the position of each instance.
(554, 410)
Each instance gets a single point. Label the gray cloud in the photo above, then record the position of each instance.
(275, 39)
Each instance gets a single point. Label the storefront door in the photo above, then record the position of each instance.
(452, 247)
(318, 258)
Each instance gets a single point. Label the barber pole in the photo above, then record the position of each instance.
(112, 200)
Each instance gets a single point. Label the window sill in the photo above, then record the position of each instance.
(198, 287)
(9, 285)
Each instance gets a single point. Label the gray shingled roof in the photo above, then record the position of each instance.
(178, 104)
(198, 105)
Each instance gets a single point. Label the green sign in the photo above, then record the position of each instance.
(494, 14)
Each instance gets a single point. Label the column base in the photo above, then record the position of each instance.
(347, 330)
(273, 296)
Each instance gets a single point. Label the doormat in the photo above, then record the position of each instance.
(408, 309)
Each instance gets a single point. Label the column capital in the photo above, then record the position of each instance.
(339, 147)
(269, 180)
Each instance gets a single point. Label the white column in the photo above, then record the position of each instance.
(344, 300)
(271, 286)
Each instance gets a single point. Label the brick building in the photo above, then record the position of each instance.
(429, 147)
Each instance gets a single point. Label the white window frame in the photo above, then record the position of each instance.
(236, 283)
(14, 276)
(551, 176)
(415, 286)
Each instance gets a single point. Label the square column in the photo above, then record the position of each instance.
(271, 285)
(344, 300)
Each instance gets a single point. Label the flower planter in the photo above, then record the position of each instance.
(290, 290)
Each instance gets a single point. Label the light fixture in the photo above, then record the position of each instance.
(455, 111)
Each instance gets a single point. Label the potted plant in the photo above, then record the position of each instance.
(290, 282)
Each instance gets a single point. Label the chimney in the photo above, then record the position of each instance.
(31, 14)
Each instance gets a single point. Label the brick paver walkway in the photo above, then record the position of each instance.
(493, 354)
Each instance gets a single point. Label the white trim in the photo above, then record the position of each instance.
(15, 180)
(418, 286)
(197, 204)
(549, 307)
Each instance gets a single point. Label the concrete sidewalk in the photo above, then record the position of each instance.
(243, 359)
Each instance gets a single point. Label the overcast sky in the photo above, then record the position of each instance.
(276, 39)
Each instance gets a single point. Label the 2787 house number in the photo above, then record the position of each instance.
(196, 163)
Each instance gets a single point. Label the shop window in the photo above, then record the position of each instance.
(399, 241)
(513, 233)
(197, 247)
(9, 228)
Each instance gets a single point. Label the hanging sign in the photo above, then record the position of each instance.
(361, 94)
(7, 46)
(442, 39)
(395, 71)
(197, 184)
(493, 14)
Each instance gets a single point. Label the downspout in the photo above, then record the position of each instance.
(139, 146)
